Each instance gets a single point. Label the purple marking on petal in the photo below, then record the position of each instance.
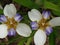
(34, 25)
(46, 14)
(48, 30)
(3, 18)
(18, 17)
(11, 32)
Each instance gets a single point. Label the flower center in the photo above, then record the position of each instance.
(11, 23)
(42, 24)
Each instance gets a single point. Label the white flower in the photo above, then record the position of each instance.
(10, 23)
(39, 20)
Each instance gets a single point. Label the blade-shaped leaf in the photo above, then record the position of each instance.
(55, 8)
(27, 3)
(1, 11)
(52, 39)
(22, 41)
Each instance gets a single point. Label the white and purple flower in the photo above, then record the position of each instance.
(10, 23)
(43, 27)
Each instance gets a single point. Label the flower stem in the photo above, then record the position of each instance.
(52, 39)
(29, 41)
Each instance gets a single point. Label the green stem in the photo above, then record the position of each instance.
(52, 39)
(29, 41)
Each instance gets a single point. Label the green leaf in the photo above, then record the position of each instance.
(53, 1)
(1, 11)
(29, 40)
(22, 41)
(55, 9)
(56, 13)
(52, 39)
(27, 3)
(39, 2)
(11, 40)
(49, 5)
(57, 2)
(57, 32)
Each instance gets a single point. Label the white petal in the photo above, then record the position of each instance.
(10, 10)
(3, 31)
(34, 15)
(1, 6)
(40, 37)
(55, 22)
(23, 30)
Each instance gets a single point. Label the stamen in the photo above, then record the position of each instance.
(11, 23)
(42, 24)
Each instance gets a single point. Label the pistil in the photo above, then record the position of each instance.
(11, 23)
(42, 24)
